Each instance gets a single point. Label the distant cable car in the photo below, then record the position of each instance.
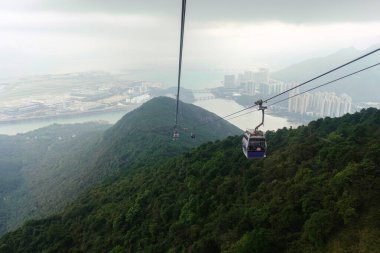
(175, 134)
(192, 135)
(253, 143)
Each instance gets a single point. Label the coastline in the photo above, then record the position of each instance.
(219, 106)
(68, 115)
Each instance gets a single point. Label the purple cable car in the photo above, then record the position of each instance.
(253, 143)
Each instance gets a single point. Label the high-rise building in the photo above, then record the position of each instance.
(229, 81)
(250, 88)
(254, 82)
(262, 88)
(248, 76)
(262, 76)
(275, 87)
(346, 104)
(320, 104)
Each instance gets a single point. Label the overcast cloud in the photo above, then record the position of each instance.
(55, 36)
(299, 11)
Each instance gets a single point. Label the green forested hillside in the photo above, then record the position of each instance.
(42, 171)
(36, 167)
(317, 191)
(145, 135)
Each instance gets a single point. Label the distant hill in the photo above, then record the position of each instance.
(45, 169)
(363, 87)
(317, 191)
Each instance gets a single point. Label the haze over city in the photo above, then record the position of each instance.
(55, 37)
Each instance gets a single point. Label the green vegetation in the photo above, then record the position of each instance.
(38, 169)
(144, 136)
(44, 170)
(318, 191)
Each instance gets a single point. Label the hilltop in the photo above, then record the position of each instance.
(144, 135)
(317, 191)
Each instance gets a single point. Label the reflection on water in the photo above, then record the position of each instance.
(223, 107)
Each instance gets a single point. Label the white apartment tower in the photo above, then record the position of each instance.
(229, 81)
(320, 104)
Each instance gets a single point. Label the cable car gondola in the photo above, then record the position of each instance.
(253, 143)
(175, 135)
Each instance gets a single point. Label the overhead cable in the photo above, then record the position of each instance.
(316, 87)
(308, 81)
(333, 81)
(180, 57)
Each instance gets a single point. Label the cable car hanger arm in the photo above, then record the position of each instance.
(262, 109)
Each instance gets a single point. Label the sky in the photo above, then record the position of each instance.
(55, 36)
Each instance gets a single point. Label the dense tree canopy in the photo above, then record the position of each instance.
(37, 170)
(317, 191)
(44, 170)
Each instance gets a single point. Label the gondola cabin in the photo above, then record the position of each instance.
(175, 135)
(254, 145)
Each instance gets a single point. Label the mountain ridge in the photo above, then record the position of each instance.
(353, 86)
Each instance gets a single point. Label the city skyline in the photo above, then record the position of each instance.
(316, 104)
(320, 104)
